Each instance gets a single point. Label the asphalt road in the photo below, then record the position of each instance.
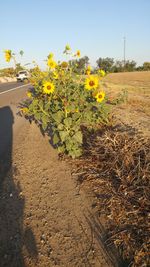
(9, 86)
(10, 123)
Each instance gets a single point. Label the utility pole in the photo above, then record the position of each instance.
(124, 50)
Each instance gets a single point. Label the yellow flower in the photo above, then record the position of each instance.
(102, 73)
(55, 75)
(24, 110)
(88, 70)
(91, 82)
(51, 63)
(67, 47)
(78, 53)
(29, 94)
(100, 96)
(48, 88)
(8, 55)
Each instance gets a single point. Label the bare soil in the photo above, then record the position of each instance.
(45, 220)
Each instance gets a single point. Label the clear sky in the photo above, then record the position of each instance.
(96, 27)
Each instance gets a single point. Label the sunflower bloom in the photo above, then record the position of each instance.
(91, 83)
(51, 63)
(102, 73)
(100, 96)
(78, 53)
(64, 64)
(29, 94)
(8, 55)
(48, 88)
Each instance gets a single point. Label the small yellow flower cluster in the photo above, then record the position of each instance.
(8, 55)
(51, 62)
(24, 110)
(92, 82)
(29, 94)
(102, 73)
(68, 51)
(88, 70)
(78, 53)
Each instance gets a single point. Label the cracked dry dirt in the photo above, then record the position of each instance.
(45, 220)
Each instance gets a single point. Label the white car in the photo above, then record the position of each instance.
(22, 75)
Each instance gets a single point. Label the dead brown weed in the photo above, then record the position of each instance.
(116, 165)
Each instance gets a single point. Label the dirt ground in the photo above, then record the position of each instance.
(46, 218)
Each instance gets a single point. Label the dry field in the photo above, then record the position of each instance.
(135, 111)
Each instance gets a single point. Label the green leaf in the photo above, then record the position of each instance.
(41, 104)
(45, 119)
(76, 117)
(63, 135)
(37, 116)
(56, 139)
(78, 137)
(61, 149)
(44, 126)
(60, 126)
(47, 106)
(57, 116)
(75, 153)
(68, 122)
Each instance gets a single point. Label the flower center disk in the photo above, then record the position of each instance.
(91, 83)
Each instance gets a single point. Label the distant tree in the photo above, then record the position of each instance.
(79, 65)
(105, 63)
(130, 65)
(118, 66)
(18, 67)
(83, 63)
(146, 66)
(139, 68)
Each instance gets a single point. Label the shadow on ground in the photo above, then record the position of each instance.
(104, 242)
(13, 237)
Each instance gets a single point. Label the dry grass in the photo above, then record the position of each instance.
(116, 166)
(137, 79)
(136, 110)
